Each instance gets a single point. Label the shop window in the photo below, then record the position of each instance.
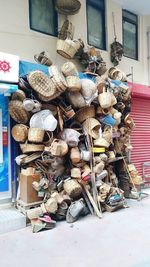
(96, 23)
(130, 34)
(43, 17)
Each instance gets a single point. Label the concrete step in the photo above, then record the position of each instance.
(10, 220)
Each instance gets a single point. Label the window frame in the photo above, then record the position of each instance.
(55, 21)
(103, 15)
(125, 19)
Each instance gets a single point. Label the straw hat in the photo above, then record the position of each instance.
(18, 95)
(92, 127)
(41, 83)
(85, 113)
(76, 99)
(20, 132)
(17, 111)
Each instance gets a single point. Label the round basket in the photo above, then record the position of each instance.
(28, 148)
(66, 49)
(85, 113)
(74, 83)
(36, 135)
(20, 132)
(41, 83)
(18, 95)
(47, 99)
(67, 7)
(17, 111)
(72, 188)
(69, 69)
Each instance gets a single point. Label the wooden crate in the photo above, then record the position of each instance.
(23, 207)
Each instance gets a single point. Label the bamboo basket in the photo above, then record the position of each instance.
(85, 113)
(67, 7)
(72, 188)
(28, 148)
(65, 49)
(74, 83)
(17, 112)
(36, 135)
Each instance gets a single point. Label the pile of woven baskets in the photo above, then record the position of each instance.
(74, 129)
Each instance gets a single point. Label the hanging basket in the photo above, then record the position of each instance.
(66, 49)
(67, 7)
(20, 132)
(36, 135)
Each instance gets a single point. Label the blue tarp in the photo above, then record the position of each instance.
(25, 67)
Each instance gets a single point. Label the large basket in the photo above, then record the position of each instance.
(28, 148)
(67, 7)
(85, 113)
(74, 83)
(17, 112)
(66, 49)
(36, 135)
(72, 188)
(41, 83)
(20, 132)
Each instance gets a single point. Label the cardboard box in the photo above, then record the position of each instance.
(27, 192)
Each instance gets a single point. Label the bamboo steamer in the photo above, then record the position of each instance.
(36, 135)
(20, 132)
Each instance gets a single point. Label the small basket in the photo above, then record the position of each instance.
(36, 135)
(85, 113)
(72, 188)
(66, 49)
(67, 7)
(69, 69)
(74, 83)
(28, 148)
(17, 112)
(46, 98)
(20, 132)
(18, 95)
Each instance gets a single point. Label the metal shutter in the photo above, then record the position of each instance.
(140, 137)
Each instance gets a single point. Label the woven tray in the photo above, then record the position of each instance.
(17, 112)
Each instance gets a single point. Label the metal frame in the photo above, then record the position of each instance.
(125, 19)
(55, 30)
(102, 12)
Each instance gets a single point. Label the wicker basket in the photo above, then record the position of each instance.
(17, 111)
(47, 99)
(72, 188)
(36, 135)
(41, 83)
(18, 95)
(69, 69)
(74, 83)
(67, 7)
(28, 148)
(85, 113)
(66, 49)
(20, 132)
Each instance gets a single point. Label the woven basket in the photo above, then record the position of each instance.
(85, 113)
(17, 111)
(67, 7)
(18, 95)
(72, 188)
(28, 148)
(41, 83)
(36, 135)
(65, 49)
(20, 132)
(74, 83)
(46, 98)
(69, 69)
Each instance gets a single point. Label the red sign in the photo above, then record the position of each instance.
(5, 138)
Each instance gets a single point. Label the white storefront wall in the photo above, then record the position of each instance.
(17, 38)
